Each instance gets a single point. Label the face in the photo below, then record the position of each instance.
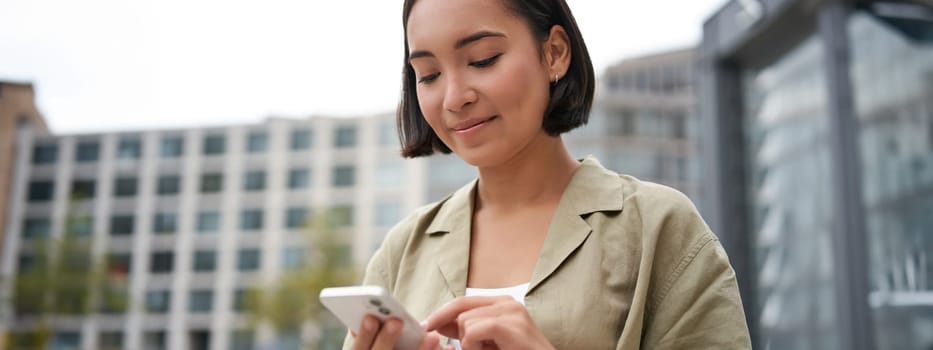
(482, 82)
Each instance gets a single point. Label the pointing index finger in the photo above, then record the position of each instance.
(449, 312)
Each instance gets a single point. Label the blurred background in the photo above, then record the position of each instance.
(181, 175)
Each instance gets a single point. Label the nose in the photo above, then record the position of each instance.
(458, 95)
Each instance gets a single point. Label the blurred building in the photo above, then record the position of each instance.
(194, 217)
(197, 216)
(818, 119)
(644, 121)
(17, 109)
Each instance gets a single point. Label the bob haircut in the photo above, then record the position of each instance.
(570, 99)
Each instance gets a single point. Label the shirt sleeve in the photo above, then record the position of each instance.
(700, 306)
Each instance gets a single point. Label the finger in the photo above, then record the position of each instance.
(431, 341)
(449, 312)
(388, 335)
(480, 333)
(368, 329)
(455, 329)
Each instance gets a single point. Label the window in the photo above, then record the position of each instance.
(110, 340)
(87, 152)
(254, 181)
(82, 189)
(80, 226)
(45, 154)
(158, 301)
(293, 258)
(344, 176)
(66, 341)
(208, 221)
(154, 340)
(172, 147)
(342, 216)
(37, 228)
(214, 145)
(248, 260)
(129, 148)
(211, 183)
(41, 191)
(257, 142)
(239, 300)
(125, 187)
(165, 223)
(162, 262)
(119, 264)
(114, 299)
(242, 340)
(168, 185)
(121, 225)
(345, 137)
(299, 178)
(301, 139)
(388, 213)
(296, 217)
(201, 300)
(251, 219)
(205, 260)
(25, 263)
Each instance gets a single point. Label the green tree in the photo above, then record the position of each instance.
(292, 300)
(60, 276)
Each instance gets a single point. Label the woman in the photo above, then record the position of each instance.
(542, 251)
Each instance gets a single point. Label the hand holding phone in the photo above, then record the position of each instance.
(352, 304)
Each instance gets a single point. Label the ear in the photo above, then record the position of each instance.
(557, 53)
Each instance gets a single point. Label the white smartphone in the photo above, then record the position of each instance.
(351, 304)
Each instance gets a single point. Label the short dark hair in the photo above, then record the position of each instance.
(570, 99)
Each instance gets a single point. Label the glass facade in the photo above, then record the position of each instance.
(894, 106)
(785, 111)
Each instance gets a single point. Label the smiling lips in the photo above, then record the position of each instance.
(471, 124)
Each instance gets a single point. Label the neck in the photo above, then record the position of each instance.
(537, 174)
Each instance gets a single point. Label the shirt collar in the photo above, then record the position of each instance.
(592, 188)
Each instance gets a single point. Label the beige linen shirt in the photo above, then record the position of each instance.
(626, 264)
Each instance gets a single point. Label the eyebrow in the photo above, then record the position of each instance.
(469, 39)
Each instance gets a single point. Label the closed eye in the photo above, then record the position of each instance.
(485, 62)
(428, 78)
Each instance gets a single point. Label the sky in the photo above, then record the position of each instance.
(109, 65)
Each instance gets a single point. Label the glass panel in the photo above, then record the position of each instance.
(251, 219)
(293, 258)
(208, 221)
(162, 262)
(254, 181)
(125, 187)
(201, 301)
(258, 142)
(214, 145)
(157, 301)
(37, 228)
(345, 137)
(121, 224)
(789, 196)
(299, 178)
(45, 154)
(169, 184)
(211, 183)
(344, 176)
(248, 260)
(892, 76)
(172, 147)
(129, 149)
(205, 260)
(296, 218)
(301, 139)
(165, 223)
(87, 152)
(40, 191)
